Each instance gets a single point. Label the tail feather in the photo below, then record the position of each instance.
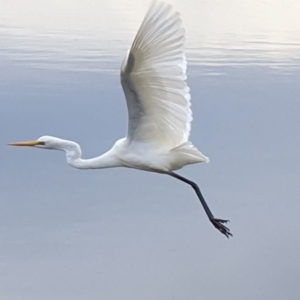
(190, 150)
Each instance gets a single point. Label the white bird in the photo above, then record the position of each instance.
(153, 77)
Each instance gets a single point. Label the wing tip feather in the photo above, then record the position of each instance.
(144, 57)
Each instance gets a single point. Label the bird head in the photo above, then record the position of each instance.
(44, 142)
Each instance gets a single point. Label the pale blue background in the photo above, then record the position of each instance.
(125, 234)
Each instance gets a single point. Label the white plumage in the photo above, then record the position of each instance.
(153, 77)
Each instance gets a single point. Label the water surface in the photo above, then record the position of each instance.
(111, 234)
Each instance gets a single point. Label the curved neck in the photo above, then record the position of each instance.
(106, 160)
(73, 155)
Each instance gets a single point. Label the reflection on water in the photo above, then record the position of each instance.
(89, 52)
(58, 50)
(102, 45)
(255, 51)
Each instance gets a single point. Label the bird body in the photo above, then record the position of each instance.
(153, 77)
(138, 155)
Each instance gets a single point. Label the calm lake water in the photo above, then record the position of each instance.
(123, 234)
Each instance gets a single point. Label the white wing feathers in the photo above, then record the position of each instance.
(153, 78)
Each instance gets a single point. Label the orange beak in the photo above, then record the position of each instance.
(28, 143)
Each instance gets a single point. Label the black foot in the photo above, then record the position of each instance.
(218, 224)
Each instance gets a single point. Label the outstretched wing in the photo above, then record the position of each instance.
(153, 79)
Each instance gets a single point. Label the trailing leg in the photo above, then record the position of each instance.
(218, 223)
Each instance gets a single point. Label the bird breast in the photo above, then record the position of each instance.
(142, 156)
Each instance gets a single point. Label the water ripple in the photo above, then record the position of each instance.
(90, 52)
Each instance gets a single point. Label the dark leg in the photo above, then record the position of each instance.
(216, 222)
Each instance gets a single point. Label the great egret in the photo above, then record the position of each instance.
(153, 77)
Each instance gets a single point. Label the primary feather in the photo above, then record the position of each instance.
(153, 79)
